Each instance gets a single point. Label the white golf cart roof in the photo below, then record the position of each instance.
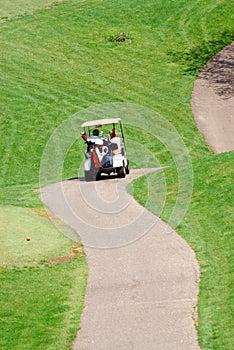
(101, 122)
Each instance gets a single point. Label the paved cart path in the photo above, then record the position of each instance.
(142, 295)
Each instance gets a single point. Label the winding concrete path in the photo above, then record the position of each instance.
(141, 293)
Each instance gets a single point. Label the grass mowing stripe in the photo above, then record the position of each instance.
(8, 149)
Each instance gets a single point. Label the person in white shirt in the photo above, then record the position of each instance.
(115, 139)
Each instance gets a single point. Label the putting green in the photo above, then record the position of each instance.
(45, 240)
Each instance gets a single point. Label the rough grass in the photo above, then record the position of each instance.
(41, 305)
(208, 227)
(59, 60)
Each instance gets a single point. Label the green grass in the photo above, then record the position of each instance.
(41, 306)
(57, 61)
(42, 293)
(208, 227)
(16, 8)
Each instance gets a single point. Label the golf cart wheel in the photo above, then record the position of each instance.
(90, 176)
(122, 172)
(98, 176)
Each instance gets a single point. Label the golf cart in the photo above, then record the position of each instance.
(106, 151)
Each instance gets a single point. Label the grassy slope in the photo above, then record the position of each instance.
(208, 228)
(46, 79)
(41, 303)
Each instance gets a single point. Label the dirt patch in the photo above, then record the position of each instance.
(213, 101)
(120, 38)
(77, 252)
(219, 72)
(61, 259)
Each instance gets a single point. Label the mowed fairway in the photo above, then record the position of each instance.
(57, 60)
